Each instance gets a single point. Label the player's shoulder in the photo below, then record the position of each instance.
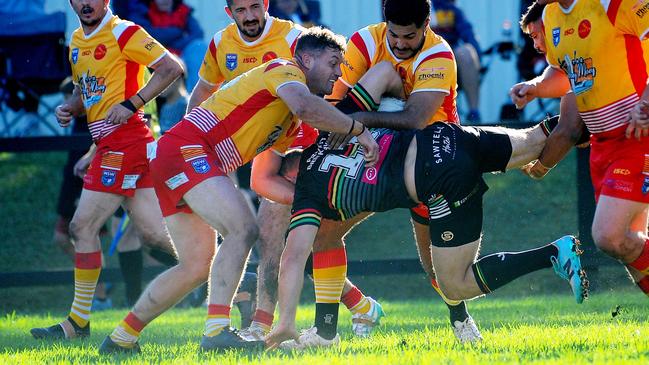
(434, 47)
(280, 64)
(284, 26)
(372, 33)
(122, 30)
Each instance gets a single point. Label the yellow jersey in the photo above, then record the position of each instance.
(108, 66)
(246, 116)
(433, 68)
(229, 55)
(597, 43)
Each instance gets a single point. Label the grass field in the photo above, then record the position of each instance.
(541, 329)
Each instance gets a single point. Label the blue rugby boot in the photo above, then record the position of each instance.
(568, 266)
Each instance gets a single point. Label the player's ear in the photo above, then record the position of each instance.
(228, 11)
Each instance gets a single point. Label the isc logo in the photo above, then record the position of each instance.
(621, 172)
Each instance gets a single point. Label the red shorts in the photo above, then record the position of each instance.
(619, 167)
(120, 165)
(179, 165)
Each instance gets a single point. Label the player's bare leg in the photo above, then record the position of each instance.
(92, 212)
(463, 325)
(232, 217)
(146, 217)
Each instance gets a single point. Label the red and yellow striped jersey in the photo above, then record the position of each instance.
(108, 66)
(246, 116)
(597, 43)
(229, 55)
(433, 68)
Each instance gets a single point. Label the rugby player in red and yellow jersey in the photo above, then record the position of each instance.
(254, 112)
(254, 38)
(108, 56)
(427, 68)
(595, 51)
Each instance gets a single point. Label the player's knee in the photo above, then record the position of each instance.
(78, 230)
(248, 234)
(197, 268)
(609, 242)
(454, 290)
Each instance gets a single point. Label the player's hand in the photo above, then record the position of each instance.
(522, 93)
(535, 170)
(639, 120)
(118, 114)
(81, 167)
(63, 114)
(337, 140)
(370, 148)
(280, 334)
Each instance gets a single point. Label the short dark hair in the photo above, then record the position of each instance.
(406, 12)
(534, 13)
(317, 39)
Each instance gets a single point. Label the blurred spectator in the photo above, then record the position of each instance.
(296, 11)
(449, 21)
(174, 104)
(172, 24)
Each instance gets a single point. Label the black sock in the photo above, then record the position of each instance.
(495, 270)
(457, 312)
(130, 263)
(326, 319)
(163, 257)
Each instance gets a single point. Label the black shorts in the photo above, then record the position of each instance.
(448, 177)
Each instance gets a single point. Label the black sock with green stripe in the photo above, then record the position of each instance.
(495, 270)
(357, 100)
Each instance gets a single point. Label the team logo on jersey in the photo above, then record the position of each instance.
(92, 88)
(100, 51)
(580, 71)
(75, 55)
(201, 166)
(271, 139)
(268, 56)
(584, 29)
(556, 36)
(645, 185)
(108, 177)
(231, 61)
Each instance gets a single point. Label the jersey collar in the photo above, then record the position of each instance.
(569, 9)
(269, 23)
(104, 21)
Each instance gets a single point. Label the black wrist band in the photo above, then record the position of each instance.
(128, 105)
(351, 130)
(141, 98)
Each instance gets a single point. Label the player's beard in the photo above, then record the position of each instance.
(255, 33)
(89, 23)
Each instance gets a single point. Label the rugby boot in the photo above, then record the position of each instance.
(253, 333)
(229, 338)
(309, 338)
(467, 331)
(567, 265)
(109, 347)
(364, 323)
(60, 331)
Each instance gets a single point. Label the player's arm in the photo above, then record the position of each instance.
(419, 109)
(552, 83)
(265, 178)
(81, 166)
(70, 108)
(323, 116)
(291, 278)
(566, 134)
(201, 92)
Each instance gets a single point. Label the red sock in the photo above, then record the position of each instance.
(642, 262)
(263, 317)
(643, 284)
(352, 298)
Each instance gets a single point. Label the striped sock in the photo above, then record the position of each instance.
(643, 284)
(329, 272)
(87, 267)
(128, 331)
(263, 320)
(218, 317)
(642, 262)
(450, 302)
(356, 301)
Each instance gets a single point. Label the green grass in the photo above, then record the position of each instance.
(541, 329)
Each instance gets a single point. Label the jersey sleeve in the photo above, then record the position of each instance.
(280, 73)
(284, 143)
(210, 71)
(357, 60)
(631, 17)
(436, 72)
(138, 46)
